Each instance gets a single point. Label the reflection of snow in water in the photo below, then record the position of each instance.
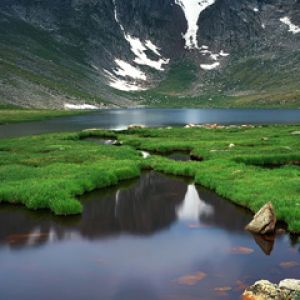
(117, 202)
(192, 206)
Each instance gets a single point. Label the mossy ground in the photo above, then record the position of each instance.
(49, 171)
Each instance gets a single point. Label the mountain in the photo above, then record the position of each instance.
(116, 53)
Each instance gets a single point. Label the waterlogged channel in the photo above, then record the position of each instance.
(154, 238)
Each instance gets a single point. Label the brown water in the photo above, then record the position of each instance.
(155, 238)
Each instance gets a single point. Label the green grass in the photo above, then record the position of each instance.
(36, 61)
(9, 115)
(179, 79)
(259, 81)
(50, 171)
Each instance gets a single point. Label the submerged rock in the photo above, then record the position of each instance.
(288, 289)
(264, 221)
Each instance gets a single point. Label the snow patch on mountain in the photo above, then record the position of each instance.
(123, 84)
(214, 56)
(139, 48)
(208, 67)
(292, 27)
(80, 106)
(224, 54)
(152, 47)
(125, 69)
(192, 10)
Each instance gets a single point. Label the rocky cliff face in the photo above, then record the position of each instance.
(125, 52)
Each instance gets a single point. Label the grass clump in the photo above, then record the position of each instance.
(49, 171)
(247, 165)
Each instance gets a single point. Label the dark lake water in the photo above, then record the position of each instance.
(120, 119)
(154, 238)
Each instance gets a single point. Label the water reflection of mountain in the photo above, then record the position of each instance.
(141, 207)
(146, 206)
(225, 214)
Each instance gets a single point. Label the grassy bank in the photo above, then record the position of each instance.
(249, 166)
(9, 115)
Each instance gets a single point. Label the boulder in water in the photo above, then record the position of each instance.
(290, 284)
(264, 221)
(265, 290)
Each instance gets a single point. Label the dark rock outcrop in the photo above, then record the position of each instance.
(54, 51)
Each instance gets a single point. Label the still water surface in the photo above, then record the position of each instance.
(120, 119)
(154, 238)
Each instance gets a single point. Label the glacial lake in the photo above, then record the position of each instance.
(153, 238)
(120, 118)
(156, 237)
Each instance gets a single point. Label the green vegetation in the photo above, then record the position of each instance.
(249, 166)
(247, 81)
(179, 79)
(212, 100)
(47, 171)
(22, 115)
(37, 66)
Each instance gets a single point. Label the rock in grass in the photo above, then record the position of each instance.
(296, 133)
(136, 126)
(264, 221)
(265, 290)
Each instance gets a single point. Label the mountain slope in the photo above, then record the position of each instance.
(160, 52)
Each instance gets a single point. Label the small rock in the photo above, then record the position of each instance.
(117, 143)
(265, 290)
(189, 126)
(241, 250)
(193, 126)
(145, 154)
(135, 126)
(191, 279)
(289, 264)
(264, 221)
(261, 290)
(296, 133)
(223, 290)
(231, 145)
